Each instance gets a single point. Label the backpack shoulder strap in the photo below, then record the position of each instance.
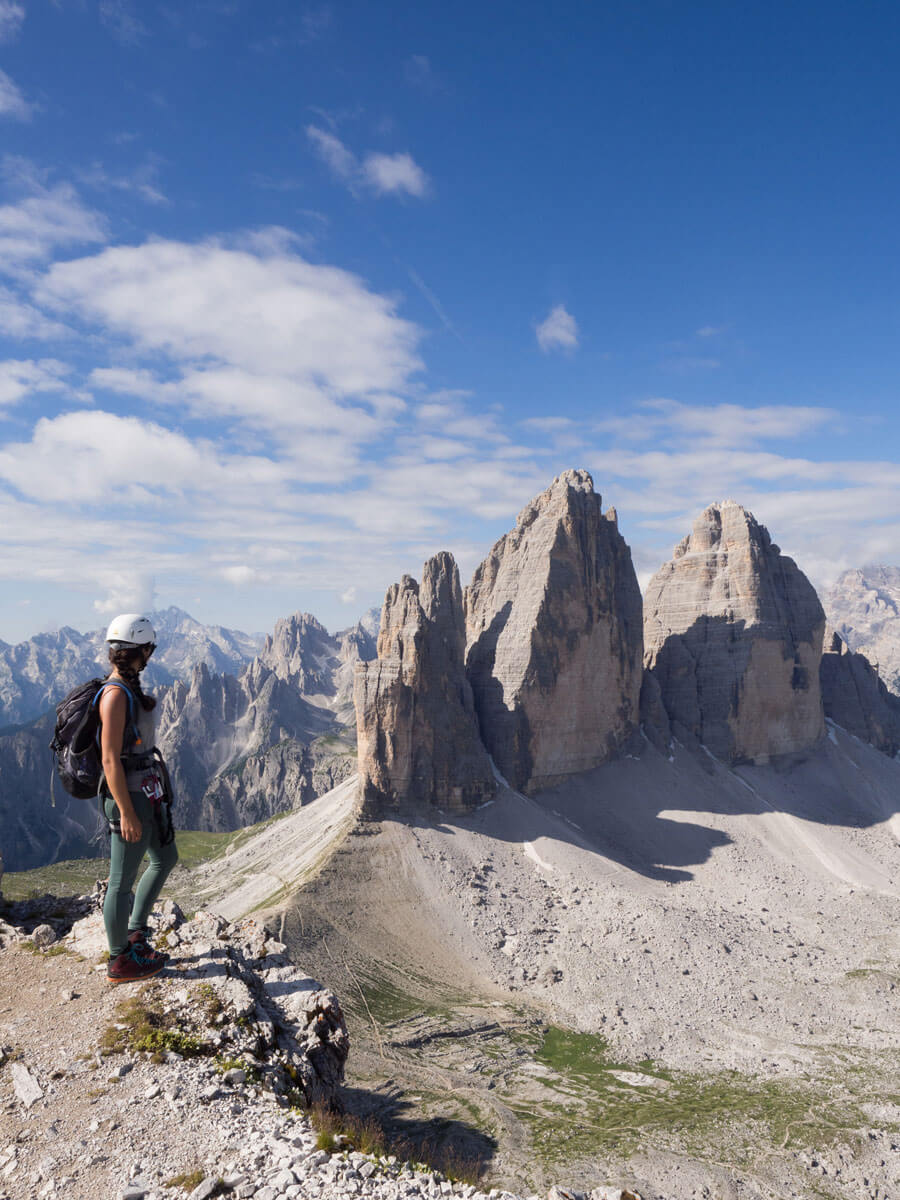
(115, 683)
(127, 690)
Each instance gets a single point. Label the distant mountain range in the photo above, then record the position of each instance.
(36, 674)
(249, 725)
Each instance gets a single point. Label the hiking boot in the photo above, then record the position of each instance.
(133, 965)
(138, 938)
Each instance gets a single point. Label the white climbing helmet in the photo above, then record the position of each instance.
(131, 629)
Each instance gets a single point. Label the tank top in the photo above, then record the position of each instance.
(146, 727)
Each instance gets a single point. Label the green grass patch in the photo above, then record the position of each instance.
(72, 877)
(876, 973)
(188, 1181)
(588, 1111)
(140, 1025)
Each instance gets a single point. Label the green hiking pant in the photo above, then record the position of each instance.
(120, 916)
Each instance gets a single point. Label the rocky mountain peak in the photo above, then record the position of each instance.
(553, 626)
(301, 649)
(733, 634)
(556, 497)
(416, 731)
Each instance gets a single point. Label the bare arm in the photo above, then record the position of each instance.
(113, 715)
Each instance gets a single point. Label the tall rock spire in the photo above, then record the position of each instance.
(416, 730)
(733, 634)
(553, 627)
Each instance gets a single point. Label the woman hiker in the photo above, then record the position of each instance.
(136, 802)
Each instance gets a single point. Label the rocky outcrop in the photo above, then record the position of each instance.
(863, 606)
(553, 627)
(416, 730)
(302, 650)
(733, 634)
(855, 697)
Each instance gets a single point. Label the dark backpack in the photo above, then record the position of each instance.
(75, 747)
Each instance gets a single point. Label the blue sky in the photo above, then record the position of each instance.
(293, 296)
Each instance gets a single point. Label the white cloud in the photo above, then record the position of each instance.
(275, 315)
(349, 596)
(98, 457)
(19, 319)
(46, 218)
(710, 330)
(11, 17)
(21, 377)
(384, 174)
(393, 173)
(12, 102)
(558, 330)
(131, 591)
(239, 574)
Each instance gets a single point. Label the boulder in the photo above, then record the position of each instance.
(553, 629)
(416, 729)
(733, 634)
(856, 698)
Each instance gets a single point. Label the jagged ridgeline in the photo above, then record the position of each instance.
(551, 663)
(271, 734)
(547, 665)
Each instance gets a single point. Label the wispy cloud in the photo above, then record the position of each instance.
(142, 180)
(121, 18)
(558, 330)
(43, 218)
(384, 174)
(12, 102)
(718, 424)
(549, 424)
(20, 319)
(22, 377)
(432, 299)
(691, 362)
(11, 17)
(390, 174)
(419, 72)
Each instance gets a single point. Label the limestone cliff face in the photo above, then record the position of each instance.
(856, 698)
(733, 634)
(416, 730)
(553, 628)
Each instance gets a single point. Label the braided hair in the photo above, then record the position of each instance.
(129, 662)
